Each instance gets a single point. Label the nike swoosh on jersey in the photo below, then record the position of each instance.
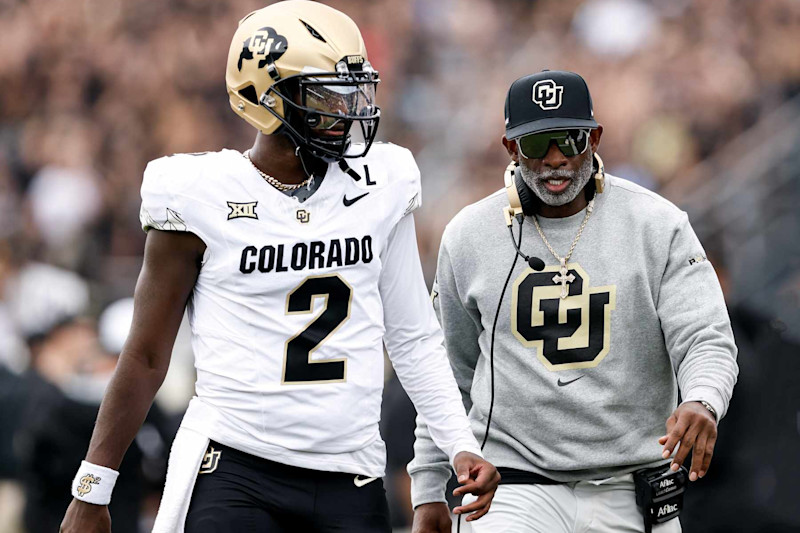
(360, 482)
(562, 383)
(348, 203)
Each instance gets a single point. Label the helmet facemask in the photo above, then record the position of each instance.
(327, 112)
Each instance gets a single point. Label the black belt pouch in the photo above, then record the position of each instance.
(659, 493)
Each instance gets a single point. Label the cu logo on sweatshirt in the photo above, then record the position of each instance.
(569, 333)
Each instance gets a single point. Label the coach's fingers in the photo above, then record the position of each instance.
(675, 432)
(484, 500)
(469, 485)
(483, 477)
(486, 479)
(469, 466)
(479, 513)
(711, 442)
(672, 420)
(687, 442)
(698, 456)
(472, 488)
(462, 471)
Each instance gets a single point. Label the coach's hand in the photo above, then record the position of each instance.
(431, 518)
(479, 477)
(694, 427)
(85, 517)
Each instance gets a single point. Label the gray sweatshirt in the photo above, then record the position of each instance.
(583, 385)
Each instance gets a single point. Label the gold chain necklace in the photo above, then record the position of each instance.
(562, 277)
(274, 182)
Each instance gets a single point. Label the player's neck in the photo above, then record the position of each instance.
(275, 155)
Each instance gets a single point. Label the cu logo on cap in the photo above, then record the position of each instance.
(547, 94)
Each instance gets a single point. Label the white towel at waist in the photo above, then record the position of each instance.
(187, 453)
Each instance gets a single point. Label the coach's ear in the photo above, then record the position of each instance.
(594, 137)
(511, 148)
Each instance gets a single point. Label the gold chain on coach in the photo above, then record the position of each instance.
(563, 277)
(274, 182)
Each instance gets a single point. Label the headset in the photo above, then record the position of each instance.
(522, 201)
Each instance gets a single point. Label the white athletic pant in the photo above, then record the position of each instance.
(603, 506)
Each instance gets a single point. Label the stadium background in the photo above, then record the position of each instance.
(700, 100)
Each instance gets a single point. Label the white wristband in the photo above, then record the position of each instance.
(94, 483)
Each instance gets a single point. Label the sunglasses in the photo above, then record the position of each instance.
(570, 142)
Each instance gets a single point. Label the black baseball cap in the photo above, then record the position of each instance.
(548, 100)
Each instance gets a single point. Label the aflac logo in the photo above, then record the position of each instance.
(667, 509)
(547, 94)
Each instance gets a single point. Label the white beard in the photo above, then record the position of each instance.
(578, 180)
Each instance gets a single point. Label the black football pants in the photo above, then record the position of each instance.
(249, 494)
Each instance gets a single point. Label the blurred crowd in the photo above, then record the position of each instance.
(93, 89)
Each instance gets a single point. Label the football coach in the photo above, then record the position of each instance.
(587, 332)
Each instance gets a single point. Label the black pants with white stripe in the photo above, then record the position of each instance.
(247, 493)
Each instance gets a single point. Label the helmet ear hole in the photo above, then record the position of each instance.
(249, 94)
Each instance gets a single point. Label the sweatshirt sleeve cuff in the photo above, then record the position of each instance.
(428, 486)
(710, 395)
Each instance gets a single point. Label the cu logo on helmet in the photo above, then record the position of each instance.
(547, 94)
(265, 43)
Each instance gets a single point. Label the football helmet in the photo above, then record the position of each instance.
(300, 68)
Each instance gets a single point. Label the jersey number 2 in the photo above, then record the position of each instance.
(298, 367)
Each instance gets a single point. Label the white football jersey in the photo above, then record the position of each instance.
(294, 302)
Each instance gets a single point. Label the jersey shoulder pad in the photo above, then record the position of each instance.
(401, 173)
(175, 184)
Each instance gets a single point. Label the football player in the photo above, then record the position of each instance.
(297, 262)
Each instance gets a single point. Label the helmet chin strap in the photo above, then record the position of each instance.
(304, 156)
(308, 161)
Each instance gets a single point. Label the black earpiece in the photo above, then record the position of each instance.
(527, 198)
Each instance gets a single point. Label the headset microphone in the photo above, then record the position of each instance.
(514, 210)
(534, 262)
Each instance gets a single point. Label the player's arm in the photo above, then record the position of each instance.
(461, 327)
(414, 342)
(170, 269)
(698, 336)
